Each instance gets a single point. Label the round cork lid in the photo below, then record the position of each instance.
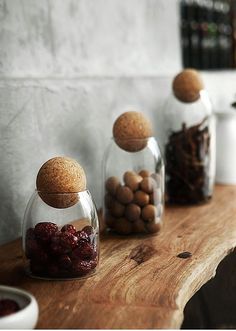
(131, 130)
(59, 180)
(187, 85)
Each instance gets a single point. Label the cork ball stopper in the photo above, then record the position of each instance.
(60, 175)
(187, 85)
(131, 131)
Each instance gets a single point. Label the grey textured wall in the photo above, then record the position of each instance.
(67, 70)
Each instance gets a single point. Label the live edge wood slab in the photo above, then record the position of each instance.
(141, 282)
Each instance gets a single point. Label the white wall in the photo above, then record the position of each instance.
(67, 69)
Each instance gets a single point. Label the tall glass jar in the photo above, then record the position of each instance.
(133, 187)
(61, 242)
(189, 150)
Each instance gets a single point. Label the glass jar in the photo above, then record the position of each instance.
(189, 150)
(133, 187)
(61, 242)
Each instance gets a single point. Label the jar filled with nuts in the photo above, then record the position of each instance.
(133, 176)
(60, 228)
(190, 141)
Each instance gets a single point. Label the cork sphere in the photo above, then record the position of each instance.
(60, 175)
(131, 131)
(187, 85)
(132, 180)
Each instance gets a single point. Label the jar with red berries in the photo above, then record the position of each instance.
(61, 235)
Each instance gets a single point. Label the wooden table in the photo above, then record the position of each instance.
(141, 282)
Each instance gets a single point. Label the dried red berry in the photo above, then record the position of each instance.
(68, 241)
(81, 267)
(35, 251)
(82, 235)
(30, 234)
(53, 270)
(84, 251)
(56, 247)
(65, 262)
(69, 228)
(44, 231)
(31, 248)
(8, 307)
(36, 268)
(88, 229)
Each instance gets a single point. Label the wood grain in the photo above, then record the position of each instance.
(141, 282)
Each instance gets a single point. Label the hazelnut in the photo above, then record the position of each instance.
(132, 180)
(122, 226)
(148, 184)
(141, 198)
(149, 213)
(124, 194)
(108, 200)
(132, 212)
(117, 209)
(112, 184)
(144, 173)
(153, 227)
(131, 131)
(139, 226)
(187, 85)
(110, 221)
(60, 175)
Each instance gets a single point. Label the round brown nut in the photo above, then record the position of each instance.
(144, 173)
(132, 212)
(187, 85)
(139, 226)
(131, 131)
(109, 220)
(148, 184)
(60, 175)
(124, 195)
(108, 200)
(122, 226)
(132, 180)
(117, 209)
(112, 184)
(153, 227)
(141, 198)
(149, 213)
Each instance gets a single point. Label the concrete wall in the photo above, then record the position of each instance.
(67, 70)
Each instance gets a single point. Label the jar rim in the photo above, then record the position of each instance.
(129, 138)
(61, 193)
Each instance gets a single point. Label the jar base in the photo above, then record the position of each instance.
(30, 274)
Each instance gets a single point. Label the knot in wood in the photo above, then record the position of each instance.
(142, 253)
